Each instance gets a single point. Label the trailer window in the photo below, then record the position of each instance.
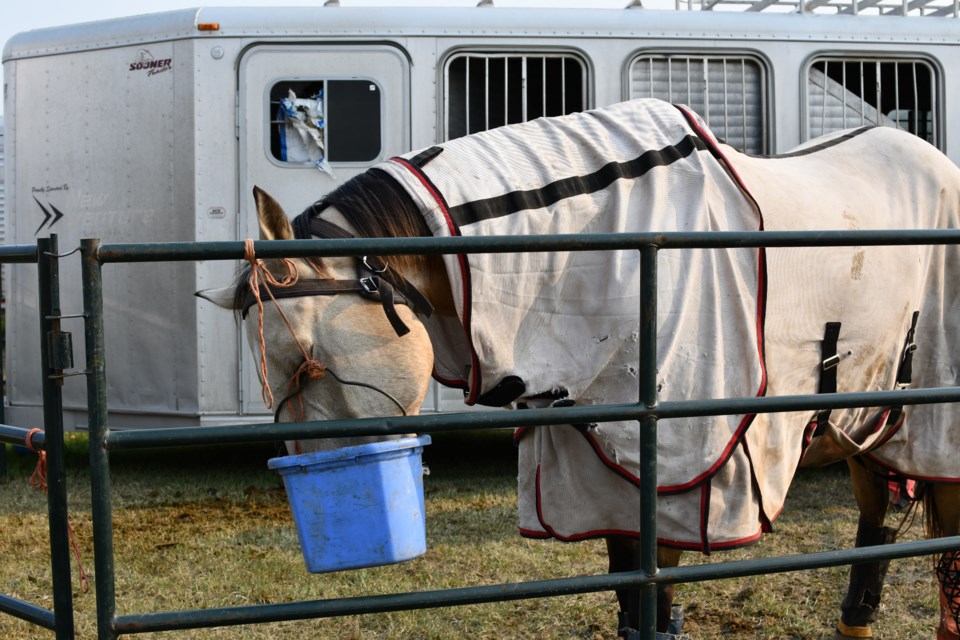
(846, 91)
(325, 121)
(728, 91)
(487, 90)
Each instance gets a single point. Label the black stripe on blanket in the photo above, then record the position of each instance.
(823, 145)
(509, 203)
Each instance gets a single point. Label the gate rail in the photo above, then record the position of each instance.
(647, 412)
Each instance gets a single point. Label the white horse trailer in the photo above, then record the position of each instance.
(155, 128)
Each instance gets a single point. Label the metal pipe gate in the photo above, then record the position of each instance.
(648, 411)
(50, 439)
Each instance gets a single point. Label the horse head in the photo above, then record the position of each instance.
(327, 356)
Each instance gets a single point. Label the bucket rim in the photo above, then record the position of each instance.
(329, 456)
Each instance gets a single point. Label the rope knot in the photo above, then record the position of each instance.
(312, 369)
(38, 480)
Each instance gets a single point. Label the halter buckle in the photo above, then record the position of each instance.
(366, 264)
(369, 285)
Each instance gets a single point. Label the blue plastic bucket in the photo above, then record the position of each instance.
(358, 506)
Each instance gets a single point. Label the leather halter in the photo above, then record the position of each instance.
(379, 285)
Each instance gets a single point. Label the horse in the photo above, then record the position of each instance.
(546, 329)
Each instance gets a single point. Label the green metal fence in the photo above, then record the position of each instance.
(648, 411)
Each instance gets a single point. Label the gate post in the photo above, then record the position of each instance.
(648, 440)
(48, 274)
(99, 456)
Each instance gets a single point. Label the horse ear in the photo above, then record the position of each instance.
(274, 224)
(225, 297)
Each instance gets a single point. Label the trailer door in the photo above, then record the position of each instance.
(309, 118)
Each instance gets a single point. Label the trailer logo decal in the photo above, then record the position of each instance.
(146, 62)
(56, 215)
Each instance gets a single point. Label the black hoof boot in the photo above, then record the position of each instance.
(624, 630)
(673, 632)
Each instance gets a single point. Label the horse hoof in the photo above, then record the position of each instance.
(844, 631)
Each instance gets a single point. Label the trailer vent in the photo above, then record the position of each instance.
(846, 92)
(487, 90)
(728, 91)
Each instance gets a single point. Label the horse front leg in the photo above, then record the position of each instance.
(860, 605)
(942, 502)
(624, 555)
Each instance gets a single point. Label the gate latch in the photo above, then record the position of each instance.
(60, 349)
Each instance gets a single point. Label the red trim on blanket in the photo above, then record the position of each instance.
(456, 384)
(664, 542)
(880, 422)
(552, 533)
(760, 318)
(519, 433)
(704, 546)
(475, 382)
(613, 466)
(714, 546)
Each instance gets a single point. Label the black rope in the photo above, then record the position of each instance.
(948, 573)
(299, 388)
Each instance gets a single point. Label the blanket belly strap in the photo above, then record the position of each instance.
(830, 359)
(905, 370)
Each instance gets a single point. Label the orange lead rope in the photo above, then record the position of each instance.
(311, 367)
(39, 482)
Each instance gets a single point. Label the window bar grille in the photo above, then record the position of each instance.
(706, 91)
(669, 79)
(743, 101)
(486, 93)
(862, 94)
(843, 70)
(933, 121)
(467, 94)
(523, 88)
(506, 92)
(896, 92)
(543, 86)
(726, 93)
(826, 89)
(879, 92)
(650, 67)
(563, 86)
(916, 111)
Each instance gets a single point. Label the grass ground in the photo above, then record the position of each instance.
(198, 528)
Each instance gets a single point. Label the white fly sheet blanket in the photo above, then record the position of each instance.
(562, 327)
